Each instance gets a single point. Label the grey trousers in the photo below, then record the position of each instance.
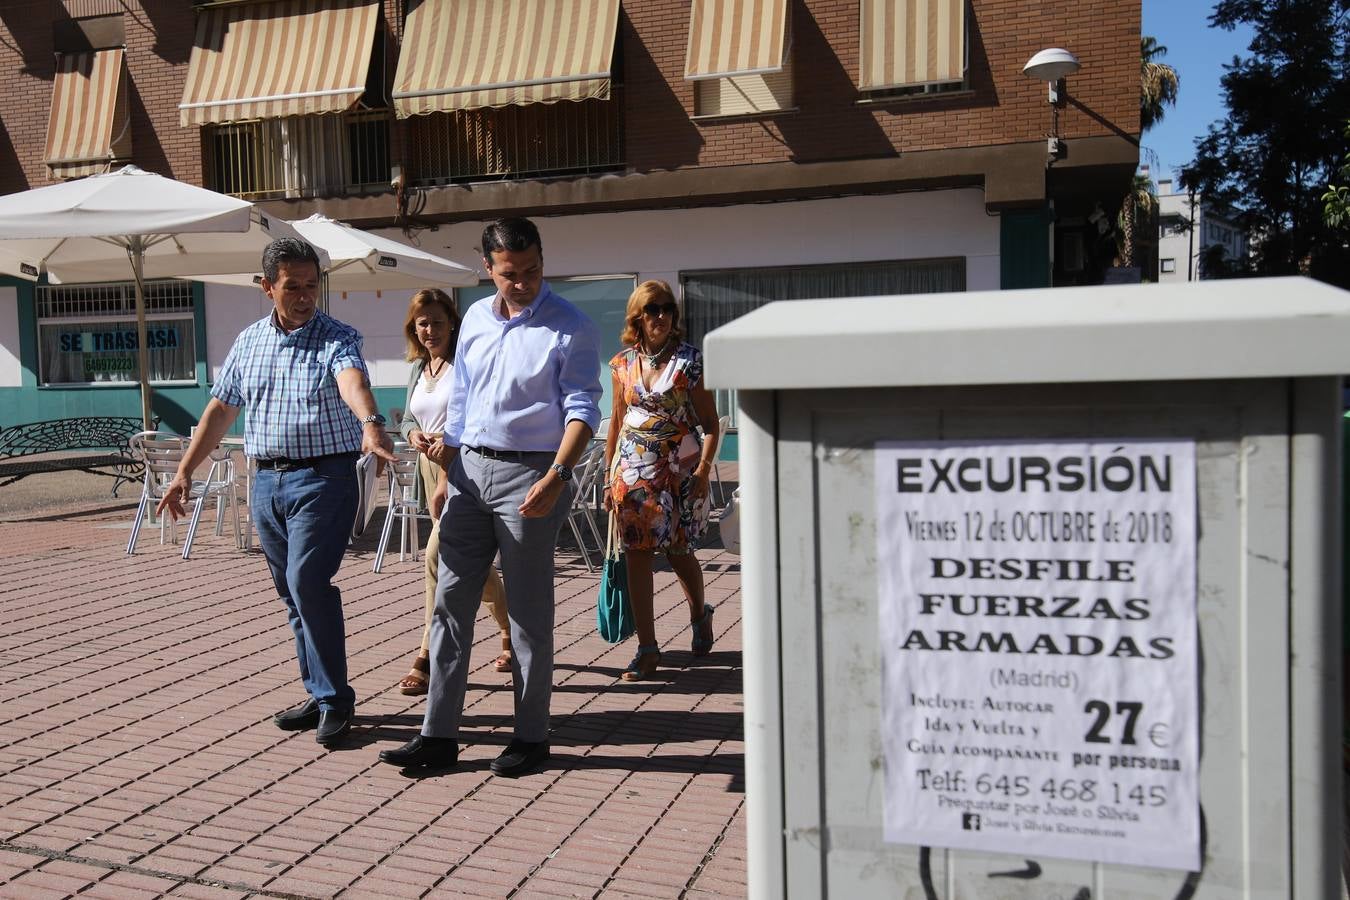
(480, 519)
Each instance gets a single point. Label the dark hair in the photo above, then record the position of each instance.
(420, 301)
(648, 292)
(287, 251)
(513, 234)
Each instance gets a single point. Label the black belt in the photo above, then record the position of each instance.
(512, 455)
(283, 464)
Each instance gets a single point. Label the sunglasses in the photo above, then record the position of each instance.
(655, 309)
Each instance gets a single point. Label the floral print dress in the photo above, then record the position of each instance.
(651, 479)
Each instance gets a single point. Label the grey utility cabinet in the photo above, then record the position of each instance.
(1042, 591)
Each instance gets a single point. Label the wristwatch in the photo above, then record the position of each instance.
(373, 417)
(564, 472)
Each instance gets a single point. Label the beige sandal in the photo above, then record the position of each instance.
(415, 683)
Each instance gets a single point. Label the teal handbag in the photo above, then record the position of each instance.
(614, 610)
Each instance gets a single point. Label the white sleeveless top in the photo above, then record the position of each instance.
(430, 407)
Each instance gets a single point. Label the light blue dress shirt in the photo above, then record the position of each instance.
(518, 382)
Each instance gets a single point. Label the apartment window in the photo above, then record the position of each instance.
(1168, 265)
(739, 57)
(310, 128)
(904, 53)
(87, 333)
(300, 156)
(714, 298)
(516, 142)
(743, 95)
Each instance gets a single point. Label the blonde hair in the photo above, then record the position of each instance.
(648, 292)
(421, 300)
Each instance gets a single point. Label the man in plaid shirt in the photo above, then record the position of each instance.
(310, 413)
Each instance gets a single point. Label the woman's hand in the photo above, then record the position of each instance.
(419, 440)
(700, 488)
(608, 498)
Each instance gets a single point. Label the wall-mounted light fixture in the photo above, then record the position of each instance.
(1052, 66)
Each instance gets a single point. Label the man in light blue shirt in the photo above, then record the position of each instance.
(523, 405)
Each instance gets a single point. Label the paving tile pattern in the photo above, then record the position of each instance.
(138, 757)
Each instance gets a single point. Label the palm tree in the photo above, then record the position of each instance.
(1158, 83)
(1137, 213)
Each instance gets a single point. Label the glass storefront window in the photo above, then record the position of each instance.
(87, 333)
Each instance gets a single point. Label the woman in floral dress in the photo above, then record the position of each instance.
(658, 484)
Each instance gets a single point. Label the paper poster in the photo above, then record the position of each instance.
(1038, 632)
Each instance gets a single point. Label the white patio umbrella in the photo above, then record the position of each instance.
(362, 261)
(136, 223)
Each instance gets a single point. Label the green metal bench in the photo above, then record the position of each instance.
(60, 445)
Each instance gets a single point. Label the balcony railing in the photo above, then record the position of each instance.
(300, 156)
(565, 138)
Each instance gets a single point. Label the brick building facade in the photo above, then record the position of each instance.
(647, 183)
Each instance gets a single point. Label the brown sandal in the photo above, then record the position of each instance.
(415, 683)
(503, 661)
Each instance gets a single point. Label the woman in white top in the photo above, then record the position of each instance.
(431, 328)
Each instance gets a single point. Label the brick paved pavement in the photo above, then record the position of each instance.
(138, 759)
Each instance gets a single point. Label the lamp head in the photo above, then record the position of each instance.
(1051, 65)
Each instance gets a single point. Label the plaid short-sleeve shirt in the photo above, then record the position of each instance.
(287, 385)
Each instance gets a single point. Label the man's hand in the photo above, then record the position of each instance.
(374, 439)
(543, 494)
(175, 495)
(440, 454)
(436, 503)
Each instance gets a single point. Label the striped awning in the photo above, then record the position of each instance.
(736, 37)
(267, 60)
(912, 42)
(89, 127)
(468, 54)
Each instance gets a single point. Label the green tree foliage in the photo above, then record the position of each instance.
(1269, 161)
(1336, 201)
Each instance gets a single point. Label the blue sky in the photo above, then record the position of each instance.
(1198, 53)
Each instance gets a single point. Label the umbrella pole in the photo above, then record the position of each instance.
(136, 254)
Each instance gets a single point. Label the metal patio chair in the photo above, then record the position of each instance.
(406, 505)
(162, 454)
(587, 474)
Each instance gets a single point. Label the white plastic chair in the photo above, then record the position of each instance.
(405, 505)
(587, 474)
(162, 454)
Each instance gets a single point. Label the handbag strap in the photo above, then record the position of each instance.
(613, 541)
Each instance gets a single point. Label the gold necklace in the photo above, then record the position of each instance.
(651, 358)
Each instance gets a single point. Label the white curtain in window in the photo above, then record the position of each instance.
(712, 299)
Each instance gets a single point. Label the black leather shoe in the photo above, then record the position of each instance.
(424, 751)
(301, 718)
(333, 726)
(519, 758)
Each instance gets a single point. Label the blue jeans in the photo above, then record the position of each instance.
(303, 518)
